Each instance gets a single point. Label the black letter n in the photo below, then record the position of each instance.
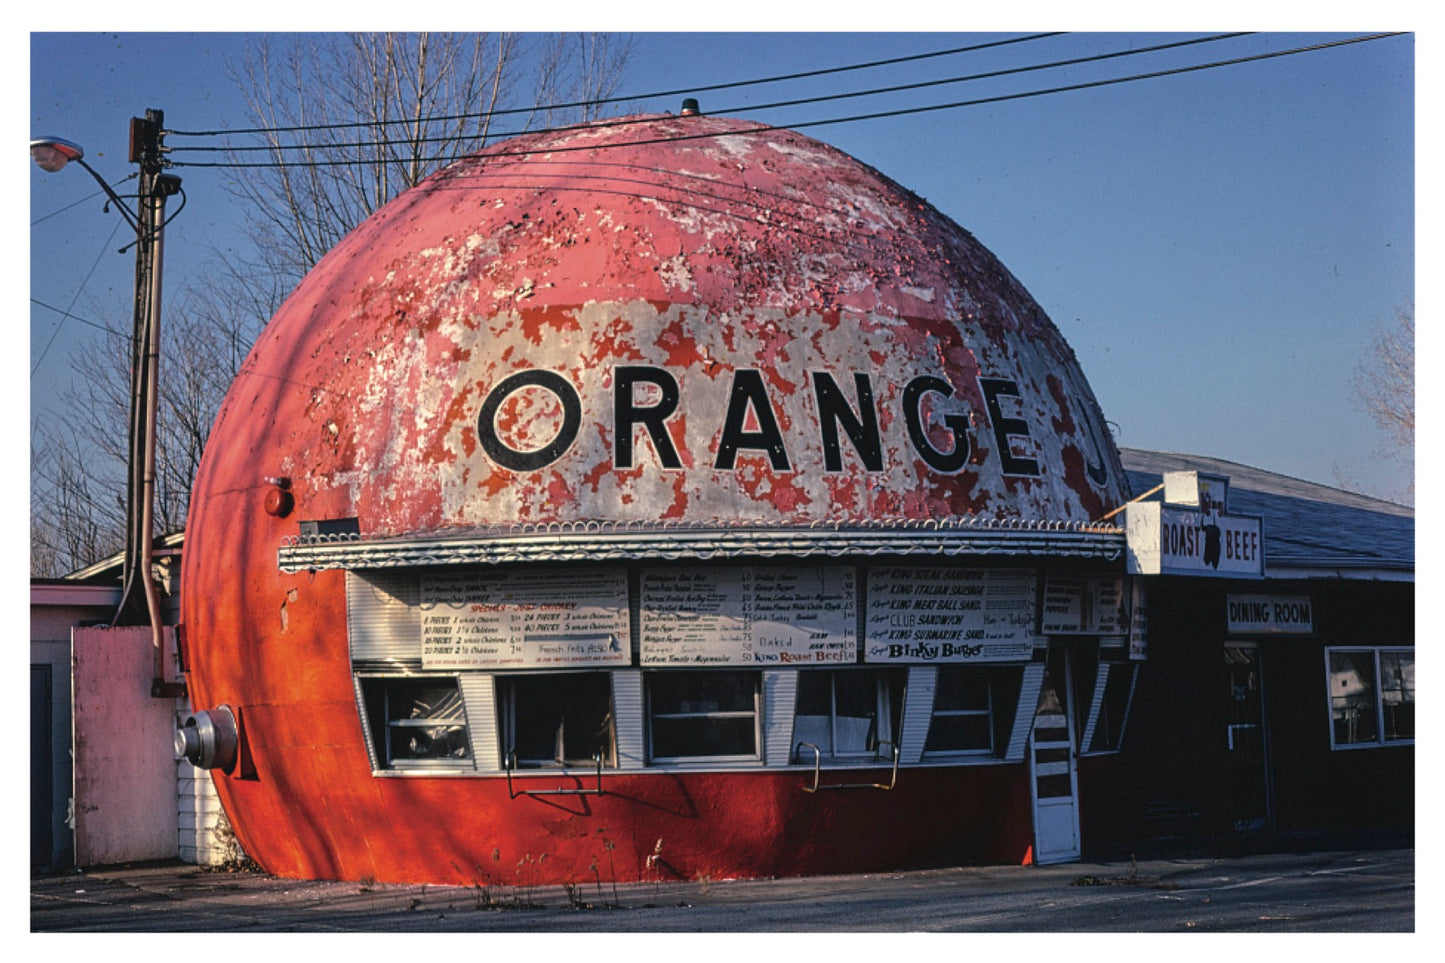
(833, 411)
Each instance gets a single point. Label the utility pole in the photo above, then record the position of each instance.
(140, 599)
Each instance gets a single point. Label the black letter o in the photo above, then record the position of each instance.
(516, 460)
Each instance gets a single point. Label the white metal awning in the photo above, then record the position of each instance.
(596, 541)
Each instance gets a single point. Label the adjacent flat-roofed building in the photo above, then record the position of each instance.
(1271, 707)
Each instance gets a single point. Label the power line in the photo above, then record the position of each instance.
(853, 118)
(990, 74)
(57, 212)
(901, 112)
(822, 98)
(65, 315)
(86, 321)
(89, 197)
(731, 85)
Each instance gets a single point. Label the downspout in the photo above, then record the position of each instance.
(148, 485)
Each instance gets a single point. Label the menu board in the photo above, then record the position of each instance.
(1083, 605)
(804, 615)
(549, 618)
(945, 614)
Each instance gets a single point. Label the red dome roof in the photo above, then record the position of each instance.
(663, 319)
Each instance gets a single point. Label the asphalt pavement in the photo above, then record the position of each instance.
(1326, 892)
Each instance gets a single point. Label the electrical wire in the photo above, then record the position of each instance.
(160, 228)
(987, 75)
(853, 118)
(731, 85)
(86, 321)
(86, 199)
(803, 101)
(64, 315)
(57, 212)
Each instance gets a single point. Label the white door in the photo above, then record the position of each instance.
(1052, 766)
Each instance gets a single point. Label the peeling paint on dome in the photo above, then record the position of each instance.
(704, 258)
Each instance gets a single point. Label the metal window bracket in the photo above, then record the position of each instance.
(818, 770)
(559, 791)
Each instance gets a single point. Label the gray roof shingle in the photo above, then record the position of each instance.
(1309, 529)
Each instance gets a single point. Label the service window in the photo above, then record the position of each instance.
(417, 722)
(973, 708)
(1372, 696)
(558, 719)
(1103, 688)
(846, 712)
(710, 716)
(1113, 707)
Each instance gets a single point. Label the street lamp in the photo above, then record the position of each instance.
(140, 600)
(53, 153)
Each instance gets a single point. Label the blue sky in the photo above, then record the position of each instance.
(1217, 246)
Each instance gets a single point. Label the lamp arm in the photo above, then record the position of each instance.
(130, 218)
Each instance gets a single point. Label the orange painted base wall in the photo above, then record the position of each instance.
(468, 831)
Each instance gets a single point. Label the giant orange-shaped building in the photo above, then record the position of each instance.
(665, 497)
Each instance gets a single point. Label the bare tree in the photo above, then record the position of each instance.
(345, 123)
(76, 515)
(1384, 381)
(210, 335)
(581, 70)
(348, 121)
(78, 467)
(1384, 385)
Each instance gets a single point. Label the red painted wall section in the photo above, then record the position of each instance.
(577, 253)
(717, 825)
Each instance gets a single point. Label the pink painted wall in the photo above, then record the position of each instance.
(125, 768)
